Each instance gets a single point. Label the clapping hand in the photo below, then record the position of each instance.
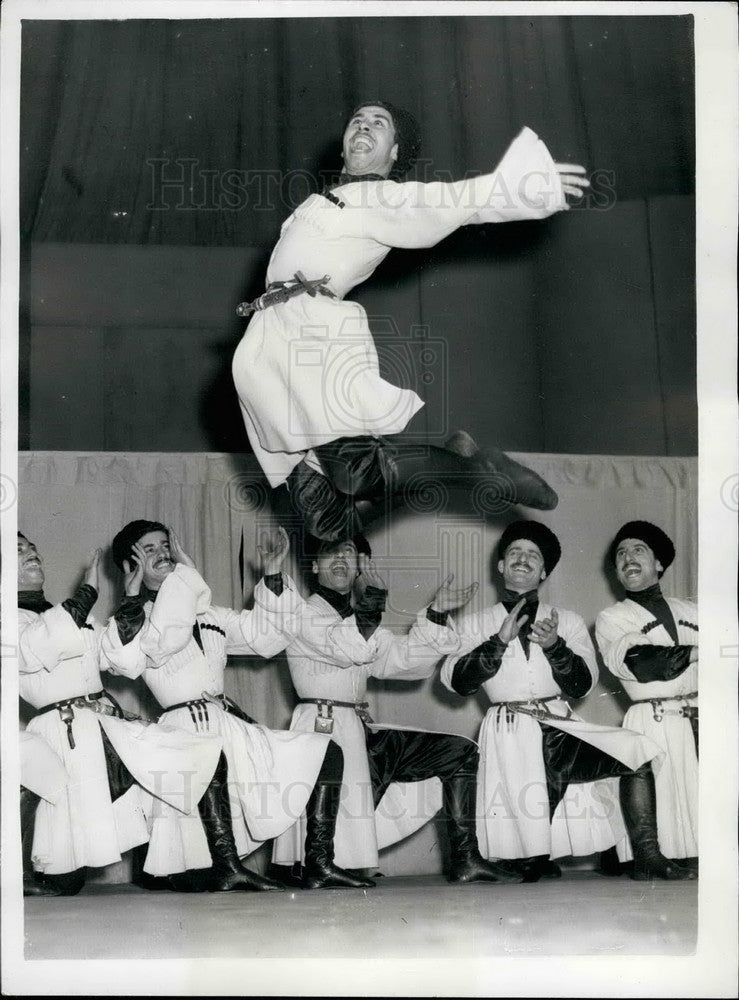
(446, 599)
(512, 624)
(544, 632)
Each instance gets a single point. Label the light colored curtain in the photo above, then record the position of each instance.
(72, 503)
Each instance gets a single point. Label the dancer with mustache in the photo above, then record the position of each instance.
(395, 778)
(91, 772)
(650, 643)
(167, 631)
(530, 658)
(320, 419)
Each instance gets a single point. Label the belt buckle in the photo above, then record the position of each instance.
(658, 710)
(66, 713)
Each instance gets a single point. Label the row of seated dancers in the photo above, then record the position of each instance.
(205, 785)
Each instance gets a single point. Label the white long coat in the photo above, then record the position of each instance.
(306, 370)
(617, 629)
(513, 804)
(271, 773)
(329, 658)
(77, 825)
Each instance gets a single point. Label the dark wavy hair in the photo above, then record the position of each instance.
(407, 136)
(128, 536)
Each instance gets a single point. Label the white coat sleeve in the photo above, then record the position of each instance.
(128, 660)
(182, 596)
(616, 634)
(268, 627)
(45, 640)
(413, 656)
(524, 186)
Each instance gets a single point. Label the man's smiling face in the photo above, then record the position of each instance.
(158, 563)
(336, 567)
(636, 565)
(369, 144)
(30, 566)
(522, 566)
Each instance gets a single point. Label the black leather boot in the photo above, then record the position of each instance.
(540, 866)
(466, 862)
(608, 863)
(639, 806)
(514, 483)
(215, 811)
(33, 885)
(319, 871)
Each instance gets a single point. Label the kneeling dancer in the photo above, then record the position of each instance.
(167, 631)
(92, 773)
(333, 648)
(530, 657)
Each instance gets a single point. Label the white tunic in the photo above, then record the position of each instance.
(513, 802)
(42, 770)
(76, 822)
(617, 630)
(271, 773)
(306, 370)
(329, 658)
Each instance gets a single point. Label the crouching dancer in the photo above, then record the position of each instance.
(333, 648)
(530, 658)
(167, 631)
(109, 769)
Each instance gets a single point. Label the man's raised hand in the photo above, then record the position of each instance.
(448, 599)
(92, 573)
(133, 571)
(272, 551)
(512, 624)
(177, 552)
(544, 632)
(370, 576)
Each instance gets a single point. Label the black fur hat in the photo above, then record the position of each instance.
(543, 537)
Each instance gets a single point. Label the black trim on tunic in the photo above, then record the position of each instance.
(568, 669)
(657, 663)
(79, 605)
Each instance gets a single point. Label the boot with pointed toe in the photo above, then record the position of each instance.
(639, 805)
(319, 870)
(466, 862)
(511, 482)
(228, 873)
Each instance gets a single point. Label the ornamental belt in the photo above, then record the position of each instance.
(93, 702)
(658, 710)
(281, 291)
(325, 719)
(534, 707)
(199, 708)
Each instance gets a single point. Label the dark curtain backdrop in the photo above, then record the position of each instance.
(237, 115)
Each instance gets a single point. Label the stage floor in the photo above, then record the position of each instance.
(579, 914)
